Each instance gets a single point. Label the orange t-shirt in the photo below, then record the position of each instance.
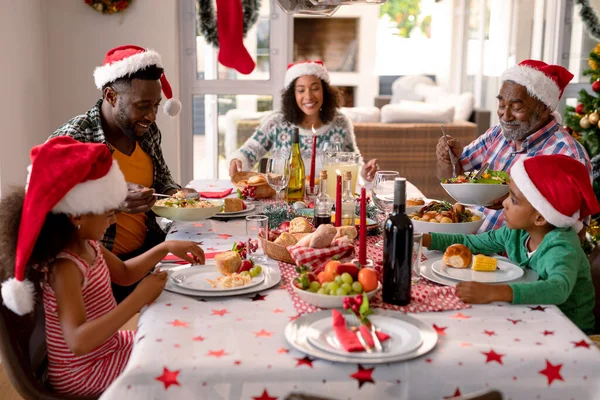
(131, 228)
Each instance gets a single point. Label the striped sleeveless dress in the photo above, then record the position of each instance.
(92, 373)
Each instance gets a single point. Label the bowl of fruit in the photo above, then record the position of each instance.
(336, 282)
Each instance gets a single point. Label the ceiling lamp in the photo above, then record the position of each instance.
(307, 7)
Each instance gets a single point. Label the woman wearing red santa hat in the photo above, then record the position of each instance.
(307, 100)
(51, 244)
(549, 197)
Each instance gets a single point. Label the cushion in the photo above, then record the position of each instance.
(361, 114)
(416, 111)
(463, 103)
(403, 87)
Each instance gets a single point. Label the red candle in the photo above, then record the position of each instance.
(312, 159)
(338, 200)
(362, 239)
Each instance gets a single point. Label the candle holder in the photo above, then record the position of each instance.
(369, 264)
(310, 194)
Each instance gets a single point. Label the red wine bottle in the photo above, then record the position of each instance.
(397, 250)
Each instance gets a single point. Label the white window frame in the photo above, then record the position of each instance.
(281, 36)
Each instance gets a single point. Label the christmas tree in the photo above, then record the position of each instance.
(583, 122)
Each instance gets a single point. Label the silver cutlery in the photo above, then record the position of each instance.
(355, 327)
(482, 170)
(450, 153)
(376, 341)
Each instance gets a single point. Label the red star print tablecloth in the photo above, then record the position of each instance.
(235, 349)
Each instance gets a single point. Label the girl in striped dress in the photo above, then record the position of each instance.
(53, 229)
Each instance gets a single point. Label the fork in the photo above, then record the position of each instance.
(355, 325)
(376, 341)
(452, 159)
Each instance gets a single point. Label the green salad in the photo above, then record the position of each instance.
(488, 177)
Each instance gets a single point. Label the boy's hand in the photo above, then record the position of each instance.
(151, 286)
(186, 250)
(482, 293)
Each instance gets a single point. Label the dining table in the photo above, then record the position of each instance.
(235, 348)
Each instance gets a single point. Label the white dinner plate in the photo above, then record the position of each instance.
(198, 279)
(296, 333)
(249, 208)
(404, 337)
(272, 277)
(505, 272)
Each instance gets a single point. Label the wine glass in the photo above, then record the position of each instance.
(278, 174)
(383, 193)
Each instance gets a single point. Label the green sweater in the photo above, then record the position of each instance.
(564, 270)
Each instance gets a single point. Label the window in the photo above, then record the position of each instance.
(221, 107)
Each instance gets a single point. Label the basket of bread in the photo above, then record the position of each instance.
(258, 184)
(304, 245)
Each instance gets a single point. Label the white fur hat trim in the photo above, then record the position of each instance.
(18, 296)
(305, 68)
(538, 84)
(119, 69)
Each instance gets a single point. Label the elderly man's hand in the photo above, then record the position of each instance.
(497, 204)
(139, 199)
(441, 150)
(370, 169)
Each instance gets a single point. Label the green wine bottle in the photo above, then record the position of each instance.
(295, 188)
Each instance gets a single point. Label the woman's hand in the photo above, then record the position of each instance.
(482, 293)
(151, 286)
(186, 250)
(235, 166)
(370, 169)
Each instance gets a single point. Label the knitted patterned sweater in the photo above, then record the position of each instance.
(564, 270)
(275, 133)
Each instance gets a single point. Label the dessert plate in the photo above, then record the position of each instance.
(249, 207)
(505, 272)
(197, 278)
(404, 337)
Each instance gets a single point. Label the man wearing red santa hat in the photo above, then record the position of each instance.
(529, 125)
(131, 79)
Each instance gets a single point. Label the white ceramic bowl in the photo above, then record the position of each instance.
(475, 194)
(189, 214)
(327, 301)
(459, 227)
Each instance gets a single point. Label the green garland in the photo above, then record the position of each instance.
(207, 21)
(278, 213)
(590, 18)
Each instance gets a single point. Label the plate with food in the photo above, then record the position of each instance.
(233, 206)
(460, 264)
(470, 190)
(444, 217)
(180, 208)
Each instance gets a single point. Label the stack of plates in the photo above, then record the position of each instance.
(236, 214)
(193, 281)
(313, 334)
(436, 271)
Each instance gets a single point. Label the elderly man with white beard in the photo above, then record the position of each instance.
(529, 125)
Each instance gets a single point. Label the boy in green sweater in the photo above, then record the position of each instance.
(549, 196)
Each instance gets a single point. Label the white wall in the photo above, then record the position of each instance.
(78, 39)
(24, 101)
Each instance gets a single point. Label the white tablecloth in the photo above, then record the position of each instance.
(235, 349)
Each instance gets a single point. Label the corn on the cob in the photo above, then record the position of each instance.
(484, 263)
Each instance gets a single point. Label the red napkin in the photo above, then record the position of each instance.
(173, 259)
(317, 258)
(348, 339)
(216, 195)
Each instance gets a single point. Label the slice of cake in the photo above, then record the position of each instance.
(233, 205)
(228, 262)
(484, 263)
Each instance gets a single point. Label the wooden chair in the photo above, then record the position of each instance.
(24, 356)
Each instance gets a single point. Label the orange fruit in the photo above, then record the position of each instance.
(368, 279)
(331, 266)
(325, 276)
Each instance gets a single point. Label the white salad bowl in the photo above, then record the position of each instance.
(475, 194)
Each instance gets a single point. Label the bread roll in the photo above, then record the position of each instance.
(323, 236)
(285, 239)
(256, 180)
(346, 231)
(228, 262)
(233, 205)
(415, 202)
(458, 256)
(300, 225)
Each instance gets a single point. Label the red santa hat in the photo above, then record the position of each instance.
(558, 187)
(66, 176)
(299, 69)
(125, 60)
(543, 81)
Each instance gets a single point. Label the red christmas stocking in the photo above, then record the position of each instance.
(230, 28)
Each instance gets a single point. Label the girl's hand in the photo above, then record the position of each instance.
(186, 250)
(369, 170)
(151, 286)
(235, 166)
(482, 293)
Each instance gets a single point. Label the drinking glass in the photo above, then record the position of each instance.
(416, 257)
(383, 193)
(257, 225)
(278, 174)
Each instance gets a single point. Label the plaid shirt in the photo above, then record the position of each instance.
(501, 153)
(87, 128)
